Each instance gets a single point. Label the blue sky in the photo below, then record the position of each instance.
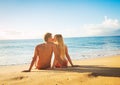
(27, 19)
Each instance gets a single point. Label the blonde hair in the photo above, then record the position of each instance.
(61, 44)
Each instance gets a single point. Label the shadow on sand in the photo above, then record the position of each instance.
(95, 70)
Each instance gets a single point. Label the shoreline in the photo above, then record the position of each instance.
(72, 60)
(97, 71)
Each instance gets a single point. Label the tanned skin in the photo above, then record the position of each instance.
(43, 54)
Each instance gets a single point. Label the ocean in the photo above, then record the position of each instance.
(18, 52)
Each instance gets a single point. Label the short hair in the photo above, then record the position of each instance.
(46, 36)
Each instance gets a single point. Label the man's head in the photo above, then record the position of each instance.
(48, 37)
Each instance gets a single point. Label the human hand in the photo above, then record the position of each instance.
(26, 71)
(75, 65)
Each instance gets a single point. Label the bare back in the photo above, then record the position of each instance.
(44, 55)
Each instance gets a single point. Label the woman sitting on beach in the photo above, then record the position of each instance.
(63, 51)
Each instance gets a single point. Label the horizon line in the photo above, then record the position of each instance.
(65, 37)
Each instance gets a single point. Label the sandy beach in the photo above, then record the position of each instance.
(97, 71)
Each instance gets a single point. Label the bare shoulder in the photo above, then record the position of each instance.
(40, 45)
(44, 45)
(51, 44)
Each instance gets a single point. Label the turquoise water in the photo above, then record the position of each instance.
(14, 52)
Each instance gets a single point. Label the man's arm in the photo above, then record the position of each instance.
(33, 61)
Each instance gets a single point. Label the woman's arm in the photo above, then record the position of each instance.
(68, 56)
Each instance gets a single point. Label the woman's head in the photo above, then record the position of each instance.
(59, 40)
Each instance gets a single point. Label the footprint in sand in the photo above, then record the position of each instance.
(19, 78)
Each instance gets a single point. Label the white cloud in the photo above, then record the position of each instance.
(109, 23)
(104, 28)
(18, 34)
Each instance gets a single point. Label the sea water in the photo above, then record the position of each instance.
(13, 52)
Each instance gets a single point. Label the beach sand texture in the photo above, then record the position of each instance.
(97, 71)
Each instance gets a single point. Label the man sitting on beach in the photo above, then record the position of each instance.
(43, 54)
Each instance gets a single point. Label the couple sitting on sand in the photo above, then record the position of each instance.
(43, 53)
